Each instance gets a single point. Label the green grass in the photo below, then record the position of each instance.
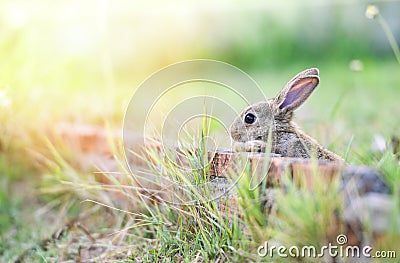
(191, 232)
(169, 233)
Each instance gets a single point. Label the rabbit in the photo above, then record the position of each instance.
(250, 129)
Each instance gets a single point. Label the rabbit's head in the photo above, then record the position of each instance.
(255, 121)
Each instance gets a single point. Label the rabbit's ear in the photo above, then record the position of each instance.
(298, 89)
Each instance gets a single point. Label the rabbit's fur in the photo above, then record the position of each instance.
(250, 129)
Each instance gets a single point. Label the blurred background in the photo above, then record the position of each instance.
(97, 52)
(60, 60)
(81, 61)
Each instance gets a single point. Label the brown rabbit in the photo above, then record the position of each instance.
(250, 129)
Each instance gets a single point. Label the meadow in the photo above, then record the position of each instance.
(80, 63)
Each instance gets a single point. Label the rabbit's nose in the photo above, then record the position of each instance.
(234, 133)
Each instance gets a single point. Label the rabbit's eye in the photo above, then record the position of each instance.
(249, 118)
